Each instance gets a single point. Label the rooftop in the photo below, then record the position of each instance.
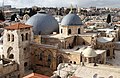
(100, 71)
(59, 36)
(63, 36)
(79, 49)
(17, 26)
(104, 39)
(35, 75)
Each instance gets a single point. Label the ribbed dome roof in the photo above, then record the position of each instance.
(89, 52)
(43, 23)
(71, 20)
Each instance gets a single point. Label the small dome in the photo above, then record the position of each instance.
(43, 23)
(89, 52)
(71, 20)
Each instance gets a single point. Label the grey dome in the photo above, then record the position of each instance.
(118, 14)
(43, 23)
(71, 19)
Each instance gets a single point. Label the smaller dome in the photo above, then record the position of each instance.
(71, 20)
(89, 52)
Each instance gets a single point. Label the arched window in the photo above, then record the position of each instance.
(74, 62)
(10, 53)
(81, 57)
(11, 56)
(83, 43)
(108, 52)
(49, 58)
(8, 37)
(79, 31)
(25, 66)
(70, 61)
(41, 56)
(60, 59)
(12, 37)
(61, 30)
(26, 36)
(69, 31)
(22, 37)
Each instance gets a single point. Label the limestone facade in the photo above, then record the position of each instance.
(43, 53)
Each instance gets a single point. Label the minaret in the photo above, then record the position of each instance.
(16, 39)
(78, 11)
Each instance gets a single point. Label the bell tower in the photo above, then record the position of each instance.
(16, 39)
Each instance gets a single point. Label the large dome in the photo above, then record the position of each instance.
(43, 23)
(71, 20)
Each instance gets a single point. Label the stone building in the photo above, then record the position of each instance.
(16, 39)
(43, 52)
(69, 45)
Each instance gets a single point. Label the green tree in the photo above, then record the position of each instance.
(108, 18)
(2, 18)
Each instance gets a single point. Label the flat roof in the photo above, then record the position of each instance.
(81, 48)
(63, 36)
(59, 36)
(88, 71)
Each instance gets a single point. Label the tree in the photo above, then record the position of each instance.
(32, 11)
(108, 18)
(2, 18)
(20, 12)
(13, 17)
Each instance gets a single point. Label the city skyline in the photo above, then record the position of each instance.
(63, 3)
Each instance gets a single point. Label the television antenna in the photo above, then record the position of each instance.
(3, 6)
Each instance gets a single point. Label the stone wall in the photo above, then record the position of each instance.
(84, 40)
(41, 64)
(9, 70)
(109, 47)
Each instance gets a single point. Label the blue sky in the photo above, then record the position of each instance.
(66, 3)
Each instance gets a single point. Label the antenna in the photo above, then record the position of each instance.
(3, 6)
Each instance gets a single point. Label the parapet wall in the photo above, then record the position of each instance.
(8, 68)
